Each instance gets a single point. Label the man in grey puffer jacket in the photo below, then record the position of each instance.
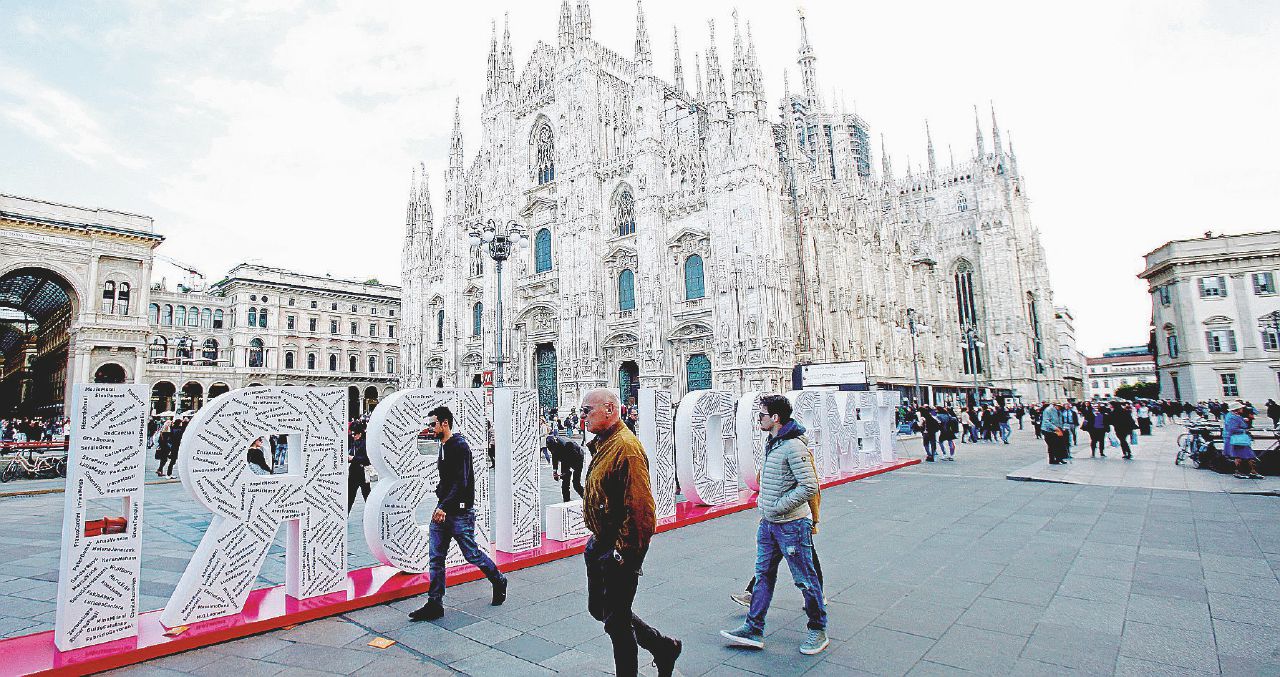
(787, 482)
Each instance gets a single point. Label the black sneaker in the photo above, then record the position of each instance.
(666, 659)
(499, 592)
(429, 612)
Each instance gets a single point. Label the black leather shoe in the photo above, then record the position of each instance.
(666, 660)
(500, 592)
(429, 612)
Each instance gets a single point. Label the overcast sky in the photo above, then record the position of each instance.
(284, 132)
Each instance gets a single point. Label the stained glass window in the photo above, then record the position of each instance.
(477, 319)
(544, 155)
(542, 251)
(626, 290)
(625, 213)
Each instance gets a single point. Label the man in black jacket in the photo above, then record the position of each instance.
(566, 462)
(455, 517)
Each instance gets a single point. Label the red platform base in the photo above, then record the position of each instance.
(270, 609)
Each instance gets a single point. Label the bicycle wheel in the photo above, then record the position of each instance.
(9, 472)
(1184, 447)
(62, 467)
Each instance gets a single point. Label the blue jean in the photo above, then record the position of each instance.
(460, 528)
(1005, 431)
(793, 541)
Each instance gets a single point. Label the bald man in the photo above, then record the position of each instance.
(618, 510)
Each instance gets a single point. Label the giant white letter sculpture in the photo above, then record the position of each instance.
(98, 576)
(750, 441)
(407, 477)
(706, 461)
(519, 494)
(810, 408)
(658, 440)
(248, 508)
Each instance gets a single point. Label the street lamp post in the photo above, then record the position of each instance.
(501, 240)
(914, 329)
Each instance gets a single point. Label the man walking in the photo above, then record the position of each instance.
(566, 463)
(1054, 428)
(618, 511)
(454, 517)
(787, 482)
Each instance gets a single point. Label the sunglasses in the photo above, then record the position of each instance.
(762, 415)
(586, 411)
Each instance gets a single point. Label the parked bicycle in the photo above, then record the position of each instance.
(30, 464)
(1196, 445)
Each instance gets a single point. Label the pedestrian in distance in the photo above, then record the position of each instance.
(1273, 413)
(1094, 422)
(947, 428)
(928, 426)
(1055, 435)
(454, 518)
(566, 463)
(1237, 443)
(966, 425)
(1122, 425)
(357, 464)
(787, 482)
(619, 512)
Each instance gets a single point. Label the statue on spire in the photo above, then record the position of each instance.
(678, 74)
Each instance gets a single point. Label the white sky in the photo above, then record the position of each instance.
(284, 132)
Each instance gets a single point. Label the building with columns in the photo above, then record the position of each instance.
(1216, 317)
(689, 233)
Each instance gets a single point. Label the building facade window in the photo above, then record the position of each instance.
(477, 319)
(626, 290)
(109, 297)
(166, 316)
(1270, 340)
(391, 331)
(333, 362)
(1264, 283)
(333, 326)
(311, 359)
(288, 360)
(180, 317)
(624, 213)
(1230, 388)
(1166, 297)
(1212, 287)
(153, 313)
(193, 316)
(544, 150)
(373, 329)
(694, 282)
(255, 352)
(967, 315)
(353, 364)
(159, 349)
(698, 371)
(206, 318)
(391, 365)
(312, 323)
(217, 319)
(542, 251)
(291, 322)
(210, 351)
(253, 316)
(262, 318)
(122, 299)
(440, 326)
(373, 363)
(1220, 340)
(355, 328)
(1171, 341)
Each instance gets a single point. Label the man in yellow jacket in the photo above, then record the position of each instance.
(618, 509)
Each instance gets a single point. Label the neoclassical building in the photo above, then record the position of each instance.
(687, 233)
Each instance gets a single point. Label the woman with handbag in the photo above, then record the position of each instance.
(1237, 444)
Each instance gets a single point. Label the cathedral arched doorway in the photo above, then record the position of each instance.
(36, 308)
(162, 397)
(545, 369)
(353, 402)
(629, 383)
(110, 373)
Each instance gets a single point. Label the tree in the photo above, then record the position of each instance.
(1141, 389)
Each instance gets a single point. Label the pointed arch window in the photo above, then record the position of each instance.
(122, 299)
(967, 315)
(544, 149)
(694, 281)
(439, 327)
(109, 297)
(255, 352)
(626, 290)
(477, 319)
(698, 372)
(624, 213)
(1033, 317)
(542, 251)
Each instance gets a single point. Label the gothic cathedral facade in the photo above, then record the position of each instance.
(698, 237)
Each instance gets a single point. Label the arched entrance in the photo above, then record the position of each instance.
(192, 396)
(110, 373)
(545, 371)
(629, 383)
(218, 389)
(370, 399)
(353, 402)
(162, 399)
(36, 308)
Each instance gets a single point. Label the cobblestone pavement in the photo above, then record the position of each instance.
(937, 569)
(1152, 467)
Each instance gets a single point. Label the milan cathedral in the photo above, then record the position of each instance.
(687, 234)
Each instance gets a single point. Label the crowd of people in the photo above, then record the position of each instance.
(33, 429)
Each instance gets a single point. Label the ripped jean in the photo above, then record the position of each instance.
(794, 542)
